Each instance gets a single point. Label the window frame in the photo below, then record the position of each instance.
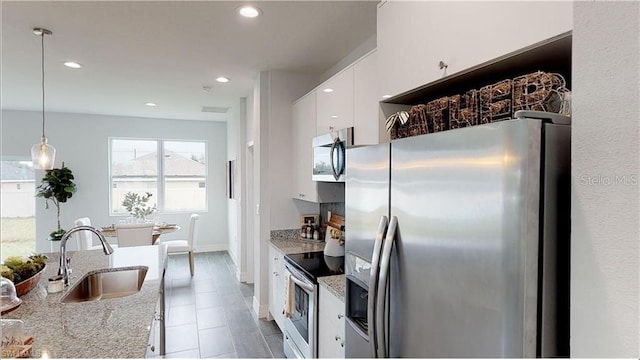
(160, 203)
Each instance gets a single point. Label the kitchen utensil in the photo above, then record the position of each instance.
(333, 245)
(9, 296)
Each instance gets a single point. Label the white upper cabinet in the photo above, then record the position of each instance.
(365, 100)
(335, 103)
(415, 36)
(303, 130)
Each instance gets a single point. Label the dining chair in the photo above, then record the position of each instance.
(134, 234)
(188, 245)
(85, 238)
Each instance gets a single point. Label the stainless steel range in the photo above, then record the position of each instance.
(301, 327)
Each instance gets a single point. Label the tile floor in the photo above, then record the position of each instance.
(210, 315)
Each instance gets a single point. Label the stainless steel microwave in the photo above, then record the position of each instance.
(329, 155)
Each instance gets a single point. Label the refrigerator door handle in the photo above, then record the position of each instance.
(381, 295)
(373, 283)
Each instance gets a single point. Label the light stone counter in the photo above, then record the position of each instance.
(110, 328)
(288, 242)
(335, 284)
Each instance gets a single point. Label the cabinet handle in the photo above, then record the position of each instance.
(301, 195)
(276, 274)
(338, 338)
(331, 128)
(340, 316)
(153, 348)
(275, 258)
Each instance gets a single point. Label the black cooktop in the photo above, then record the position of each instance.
(315, 264)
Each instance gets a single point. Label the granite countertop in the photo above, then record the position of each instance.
(288, 242)
(109, 328)
(335, 284)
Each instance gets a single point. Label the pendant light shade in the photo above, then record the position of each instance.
(43, 155)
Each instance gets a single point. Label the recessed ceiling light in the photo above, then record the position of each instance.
(386, 96)
(150, 104)
(328, 90)
(334, 116)
(72, 64)
(249, 11)
(222, 79)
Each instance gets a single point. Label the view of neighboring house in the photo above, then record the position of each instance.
(18, 189)
(184, 180)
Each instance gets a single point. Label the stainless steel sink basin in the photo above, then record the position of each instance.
(106, 284)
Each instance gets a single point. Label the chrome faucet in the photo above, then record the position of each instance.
(64, 262)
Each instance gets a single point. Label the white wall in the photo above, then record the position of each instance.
(274, 93)
(236, 150)
(604, 210)
(81, 141)
(234, 153)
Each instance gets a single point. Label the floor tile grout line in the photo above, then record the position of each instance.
(212, 260)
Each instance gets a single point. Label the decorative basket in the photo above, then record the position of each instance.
(25, 286)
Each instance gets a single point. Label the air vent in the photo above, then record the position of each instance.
(215, 109)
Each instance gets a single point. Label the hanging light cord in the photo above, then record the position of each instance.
(42, 47)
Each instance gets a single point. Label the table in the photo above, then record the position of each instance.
(158, 230)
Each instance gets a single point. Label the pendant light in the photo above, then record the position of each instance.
(43, 155)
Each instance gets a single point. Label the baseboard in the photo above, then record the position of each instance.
(210, 248)
(261, 310)
(241, 276)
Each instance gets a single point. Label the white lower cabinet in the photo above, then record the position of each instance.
(330, 325)
(276, 286)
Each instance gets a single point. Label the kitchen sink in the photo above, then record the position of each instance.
(106, 284)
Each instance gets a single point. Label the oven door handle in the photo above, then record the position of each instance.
(302, 284)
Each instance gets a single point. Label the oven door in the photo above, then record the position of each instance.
(300, 328)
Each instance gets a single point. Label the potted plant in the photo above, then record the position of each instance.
(57, 186)
(137, 205)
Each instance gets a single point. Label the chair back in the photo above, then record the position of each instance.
(193, 230)
(84, 238)
(134, 234)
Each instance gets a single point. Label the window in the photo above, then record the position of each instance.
(18, 220)
(177, 183)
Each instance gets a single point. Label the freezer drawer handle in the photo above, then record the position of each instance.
(373, 283)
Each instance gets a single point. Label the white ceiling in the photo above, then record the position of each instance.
(164, 52)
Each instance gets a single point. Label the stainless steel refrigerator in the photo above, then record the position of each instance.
(457, 243)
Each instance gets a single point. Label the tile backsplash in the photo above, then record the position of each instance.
(335, 208)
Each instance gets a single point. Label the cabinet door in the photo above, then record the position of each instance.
(303, 130)
(365, 101)
(335, 103)
(330, 325)
(276, 286)
(460, 34)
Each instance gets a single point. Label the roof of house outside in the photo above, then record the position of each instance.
(10, 172)
(175, 165)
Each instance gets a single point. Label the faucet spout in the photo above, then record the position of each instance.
(64, 269)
